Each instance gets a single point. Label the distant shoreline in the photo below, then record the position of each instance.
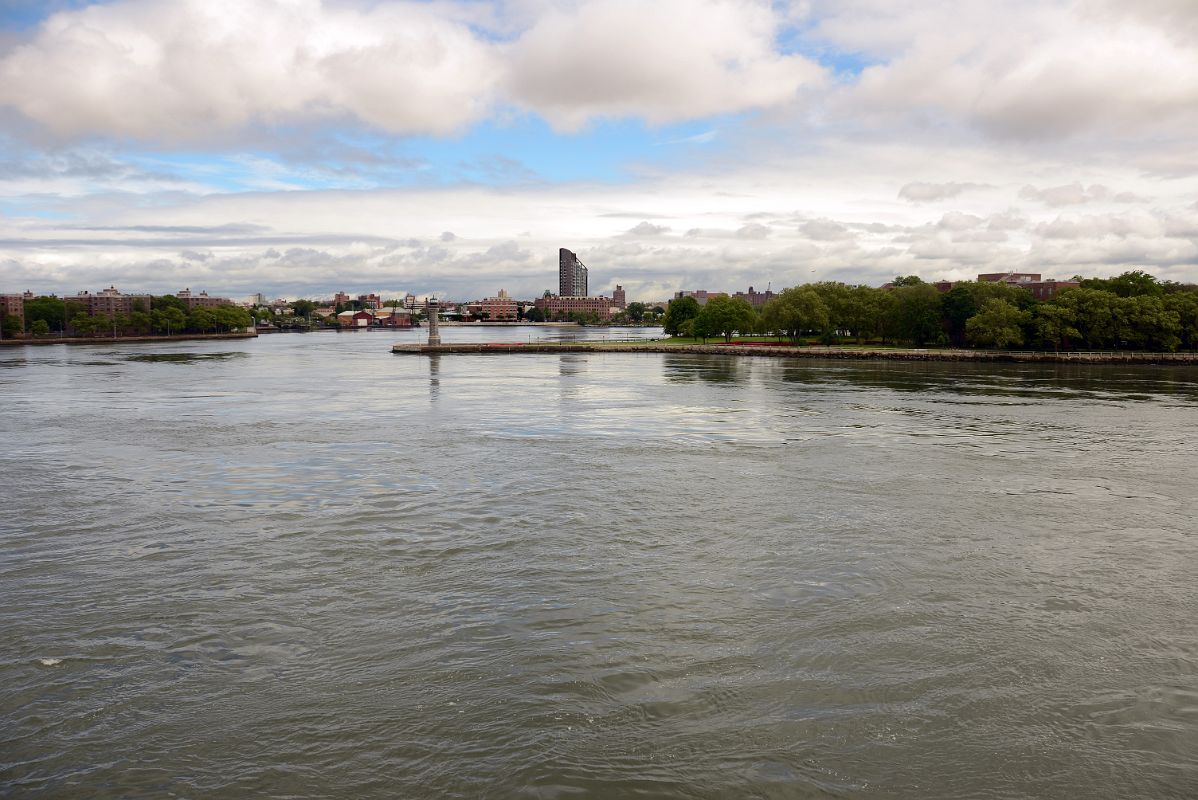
(183, 337)
(806, 352)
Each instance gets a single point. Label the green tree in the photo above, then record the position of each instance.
(39, 327)
(906, 280)
(679, 311)
(965, 299)
(85, 325)
(534, 314)
(1136, 283)
(957, 306)
(1054, 325)
(141, 322)
(1093, 313)
(167, 301)
(916, 314)
(1185, 305)
(51, 309)
(997, 324)
(10, 325)
(303, 308)
(201, 320)
(794, 311)
(725, 315)
(119, 324)
(1149, 323)
(838, 299)
(171, 320)
(229, 317)
(636, 311)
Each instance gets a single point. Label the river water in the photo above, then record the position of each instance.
(301, 566)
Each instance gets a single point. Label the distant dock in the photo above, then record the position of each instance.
(809, 352)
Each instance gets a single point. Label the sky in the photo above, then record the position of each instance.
(300, 147)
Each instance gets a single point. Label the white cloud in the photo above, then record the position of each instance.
(983, 115)
(1026, 69)
(646, 228)
(824, 230)
(922, 192)
(185, 70)
(664, 61)
(959, 221)
(753, 230)
(1068, 195)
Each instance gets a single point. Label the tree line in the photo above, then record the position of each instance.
(166, 315)
(1130, 311)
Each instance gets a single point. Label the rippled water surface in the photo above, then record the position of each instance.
(302, 566)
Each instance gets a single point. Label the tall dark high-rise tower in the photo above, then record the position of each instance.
(571, 275)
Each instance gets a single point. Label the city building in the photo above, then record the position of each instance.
(201, 300)
(409, 301)
(1047, 290)
(618, 298)
(755, 298)
(376, 318)
(341, 299)
(370, 301)
(1040, 289)
(1012, 278)
(501, 308)
(558, 307)
(701, 295)
(355, 319)
(13, 305)
(109, 302)
(571, 275)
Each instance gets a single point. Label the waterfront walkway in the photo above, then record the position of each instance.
(789, 351)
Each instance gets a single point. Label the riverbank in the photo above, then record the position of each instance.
(786, 351)
(128, 339)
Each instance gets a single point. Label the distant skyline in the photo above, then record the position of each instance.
(298, 147)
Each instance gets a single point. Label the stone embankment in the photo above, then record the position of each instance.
(185, 337)
(783, 351)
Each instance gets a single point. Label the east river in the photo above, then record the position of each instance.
(303, 567)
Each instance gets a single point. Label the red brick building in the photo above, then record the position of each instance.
(382, 318)
(201, 300)
(701, 295)
(110, 302)
(13, 305)
(558, 307)
(755, 298)
(1040, 289)
(498, 309)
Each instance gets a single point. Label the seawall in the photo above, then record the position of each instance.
(129, 339)
(845, 353)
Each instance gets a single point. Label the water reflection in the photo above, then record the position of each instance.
(1046, 381)
(184, 358)
(434, 375)
(684, 368)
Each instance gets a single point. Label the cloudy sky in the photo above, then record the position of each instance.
(296, 147)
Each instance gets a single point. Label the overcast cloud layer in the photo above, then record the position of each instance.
(296, 146)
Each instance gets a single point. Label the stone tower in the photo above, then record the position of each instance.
(434, 312)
